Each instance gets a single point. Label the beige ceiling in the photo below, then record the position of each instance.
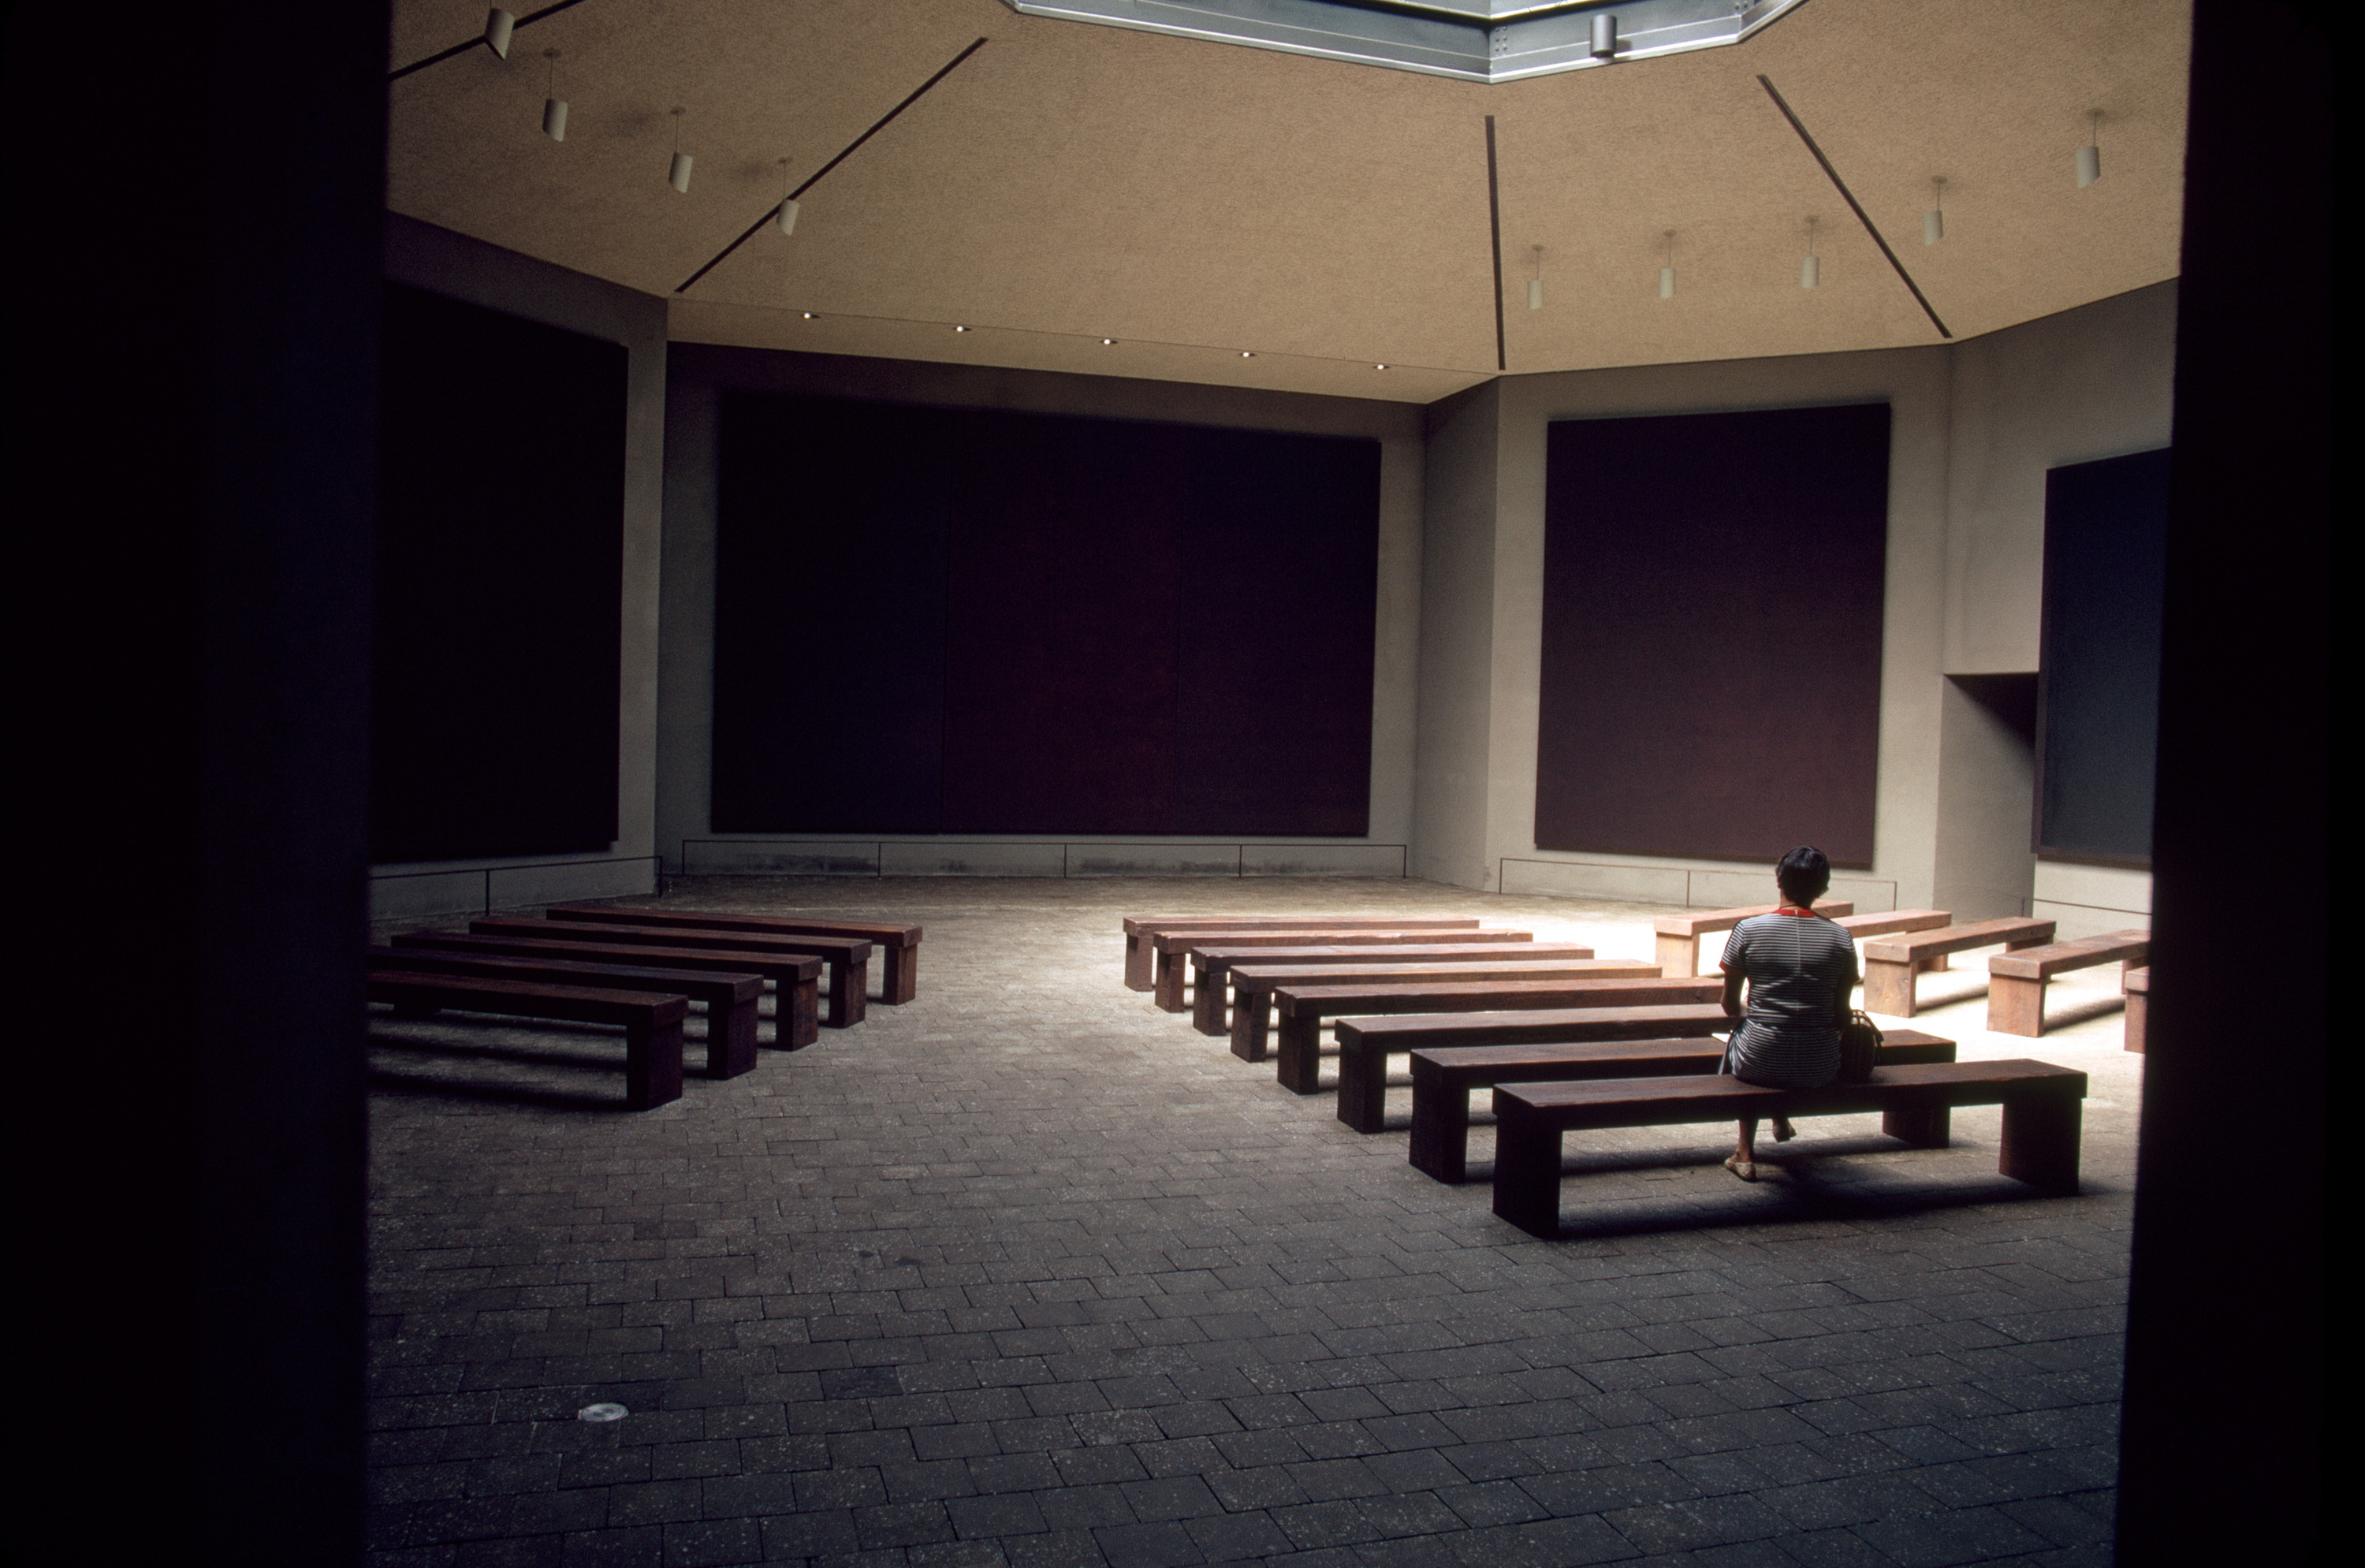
(1195, 200)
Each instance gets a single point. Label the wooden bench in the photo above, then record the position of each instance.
(798, 977)
(1676, 936)
(899, 945)
(1185, 946)
(2042, 1110)
(652, 1023)
(2016, 982)
(1254, 985)
(1213, 964)
(1366, 1043)
(1890, 963)
(848, 957)
(2137, 983)
(730, 998)
(1887, 922)
(1298, 1040)
(1442, 1079)
(1139, 955)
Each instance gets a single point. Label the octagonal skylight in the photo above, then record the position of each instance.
(1474, 40)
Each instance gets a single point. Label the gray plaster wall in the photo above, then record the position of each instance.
(461, 268)
(686, 674)
(1974, 425)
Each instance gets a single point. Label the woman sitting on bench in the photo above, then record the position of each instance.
(1801, 971)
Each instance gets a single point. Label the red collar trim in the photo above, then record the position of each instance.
(1802, 914)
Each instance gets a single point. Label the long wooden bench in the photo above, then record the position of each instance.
(652, 1023)
(2016, 982)
(1185, 946)
(730, 999)
(1889, 922)
(898, 945)
(1365, 1045)
(1254, 985)
(1140, 956)
(797, 976)
(2043, 1112)
(1443, 1079)
(2138, 988)
(1213, 964)
(848, 957)
(1298, 1040)
(1890, 963)
(1675, 937)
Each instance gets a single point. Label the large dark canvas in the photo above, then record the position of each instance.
(2098, 684)
(498, 587)
(983, 621)
(1710, 680)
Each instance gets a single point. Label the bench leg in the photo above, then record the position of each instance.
(1167, 991)
(1207, 1002)
(1923, 1126)
(799, 1023)
(730, 1038)
(2041, 1134)
(652, 1065)
(849, 993)
(1137, 964)
(1527, 1173)
(1300, 1050)
(1251, 1017)
(2138, 1019)
(2015, 1006)
(1363, 1086)
(1440, 1128)
(410, 1010)
(899, 980)
(1675, 956)
(1888, 989)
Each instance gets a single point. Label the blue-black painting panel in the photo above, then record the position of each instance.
(498, 630)
(1280, 560)
(2105, 545)
(1711, 679)
(829, 615)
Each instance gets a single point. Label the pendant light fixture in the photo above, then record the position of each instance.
(785, 217)
(1667, 273)
(2089, 157)
(1536, 284)
(1810, 270)
(678, 176)
(499, 25)
(1933, 222)
(553, 107)
(1605, 35)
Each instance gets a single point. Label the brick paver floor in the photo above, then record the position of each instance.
(1028, 1272)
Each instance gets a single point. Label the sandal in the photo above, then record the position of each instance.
(1745, 1170)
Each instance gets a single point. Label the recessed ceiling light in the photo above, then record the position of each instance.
(1108, 343)
(1247, 354)
(809, 314)
(960, 328)
(1379, 368)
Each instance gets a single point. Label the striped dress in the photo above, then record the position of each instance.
(1797, 968)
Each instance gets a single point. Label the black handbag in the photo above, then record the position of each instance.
(1859, 1047)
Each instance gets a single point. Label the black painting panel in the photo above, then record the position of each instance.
(829, 615)
(1280, 564)
(2105, 541)
(500, 584)
(1711, 682)
(1062, 625)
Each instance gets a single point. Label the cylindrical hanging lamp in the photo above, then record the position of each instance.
(1536, 284)
(553, 107)
(1933, 222)
(499, 25)
(1605, 35)
(2089, 157)
(786, 217)
(677, 175)
(1810, 271)
(1667, 273)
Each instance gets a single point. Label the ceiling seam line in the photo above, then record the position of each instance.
(844, 154)
(460, 49)
(1495, 228)
(1857, 207)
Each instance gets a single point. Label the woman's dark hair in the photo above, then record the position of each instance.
(1803, 874)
